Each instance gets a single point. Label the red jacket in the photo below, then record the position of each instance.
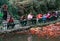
(39, 16)
(11, 20)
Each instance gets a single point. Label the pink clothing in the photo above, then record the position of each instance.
(30, 16)
(48, 15)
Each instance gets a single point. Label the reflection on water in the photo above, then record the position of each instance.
(19, 37)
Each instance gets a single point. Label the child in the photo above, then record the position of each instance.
(10, 23)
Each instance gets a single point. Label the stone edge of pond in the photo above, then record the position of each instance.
(32, 26)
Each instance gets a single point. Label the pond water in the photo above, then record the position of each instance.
(22, 37)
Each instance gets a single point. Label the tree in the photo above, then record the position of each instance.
(3, 2)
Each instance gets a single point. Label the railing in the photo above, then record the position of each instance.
(18, 25)
(35, 22)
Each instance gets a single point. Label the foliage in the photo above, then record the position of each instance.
(3, 2)
(35, 6)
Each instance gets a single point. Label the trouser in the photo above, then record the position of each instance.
(10, 24)
(48, 19)
(53, 18)
(44, 20)
(5, 15)
(23, 22)
(33, 21)
(40, 20)
(29, 22)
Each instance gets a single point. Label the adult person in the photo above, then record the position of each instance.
(23, 20)
(39, 18)
(48, 15)
(33, 20)
(29, 17)
(58, 14)
(53, 16)
(44, 18)
(5, 11)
